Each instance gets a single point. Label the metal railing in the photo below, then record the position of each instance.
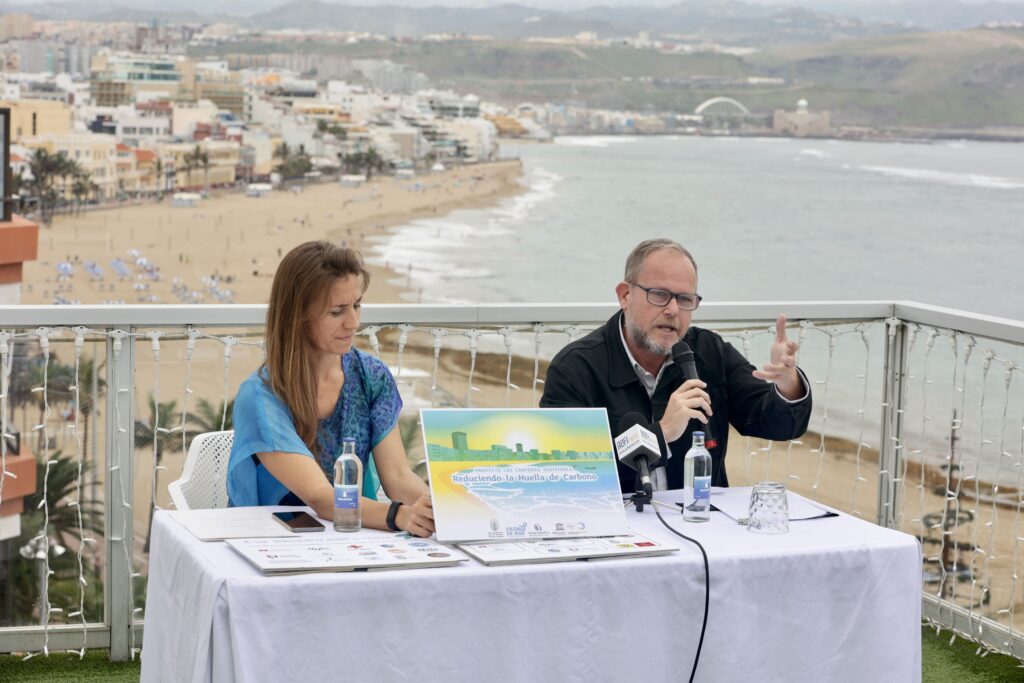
(522, 331)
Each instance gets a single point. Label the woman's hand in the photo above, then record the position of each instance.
(417, 518)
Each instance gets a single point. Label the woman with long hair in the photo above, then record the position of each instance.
(316, 389)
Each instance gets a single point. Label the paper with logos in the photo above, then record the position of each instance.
(519, 474)
(223, 523)
(342, 552)
(564, 549)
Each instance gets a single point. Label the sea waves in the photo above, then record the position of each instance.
(947, 178)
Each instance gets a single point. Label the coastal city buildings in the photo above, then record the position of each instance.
(139, 116)
(802, 122)
(149, 109)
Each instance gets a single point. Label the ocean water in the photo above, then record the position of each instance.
(766, 219)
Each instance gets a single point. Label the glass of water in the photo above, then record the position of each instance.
(769, 512)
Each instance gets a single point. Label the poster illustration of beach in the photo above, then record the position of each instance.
(503, 474)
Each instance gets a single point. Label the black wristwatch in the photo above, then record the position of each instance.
(392, 513)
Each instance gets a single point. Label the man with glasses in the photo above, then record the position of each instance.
(626, 366)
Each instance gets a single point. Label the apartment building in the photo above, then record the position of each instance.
(33, 118)
(97, 155)
(224, 157)
(118, 78)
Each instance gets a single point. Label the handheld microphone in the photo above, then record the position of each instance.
(682, 356)
(637, 447)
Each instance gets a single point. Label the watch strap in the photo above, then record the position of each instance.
(392, 514)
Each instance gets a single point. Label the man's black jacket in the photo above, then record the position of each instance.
(595, 372)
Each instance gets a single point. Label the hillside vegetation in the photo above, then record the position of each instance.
(958, 79)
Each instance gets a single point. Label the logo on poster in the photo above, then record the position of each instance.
(519, 530)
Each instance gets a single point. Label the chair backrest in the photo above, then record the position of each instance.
(203, 483)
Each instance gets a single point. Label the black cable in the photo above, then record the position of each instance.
(707, 585)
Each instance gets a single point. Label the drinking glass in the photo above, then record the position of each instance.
(768, 513)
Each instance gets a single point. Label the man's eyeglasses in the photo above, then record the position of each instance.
(661, 298)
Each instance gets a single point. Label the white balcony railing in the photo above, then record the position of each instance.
(917, 425)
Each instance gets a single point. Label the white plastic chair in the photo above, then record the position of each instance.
(203, 483)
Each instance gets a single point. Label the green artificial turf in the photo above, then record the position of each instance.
(940, 663)
(958, 663)
(68, 667)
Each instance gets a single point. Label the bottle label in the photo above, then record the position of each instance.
(346, 497)
(702, 489)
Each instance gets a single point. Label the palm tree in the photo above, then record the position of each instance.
(149, 434)
(158, 169)
(88, 376)
(58, 378)
(284, 153)
(44, 169)
(19, 388)
(162, 416)
(80, 188)
(194, 159)
(189, 163)
(68, 168)
(204, 161)
(373, 162)
(210, 418)
(20, 591)
(170, 177)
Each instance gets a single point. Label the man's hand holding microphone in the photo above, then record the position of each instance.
(691, 402)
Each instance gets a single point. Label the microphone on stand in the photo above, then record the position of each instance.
(682, 356)
(637, 448)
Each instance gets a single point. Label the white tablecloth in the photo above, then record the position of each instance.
(836, 599)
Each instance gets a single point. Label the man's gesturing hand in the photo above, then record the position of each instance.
(781, 368)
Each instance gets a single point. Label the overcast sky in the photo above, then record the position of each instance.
(259, 5)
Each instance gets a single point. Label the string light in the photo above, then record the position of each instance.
(858, 477)
(79, 333)
(966, 352)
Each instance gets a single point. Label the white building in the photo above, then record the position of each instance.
(185, 116)
(477, 138)
(138, 129)
(262, 144)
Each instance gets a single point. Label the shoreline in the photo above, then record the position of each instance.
(227, 247)
(904, 136)
(387, 276)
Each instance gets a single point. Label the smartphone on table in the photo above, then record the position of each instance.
(299, 522)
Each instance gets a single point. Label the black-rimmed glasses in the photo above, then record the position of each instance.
(661, 298)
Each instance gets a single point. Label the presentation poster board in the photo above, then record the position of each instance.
(510, 474)
(565, 549)
(340, 552)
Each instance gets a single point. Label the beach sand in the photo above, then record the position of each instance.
(239, 240)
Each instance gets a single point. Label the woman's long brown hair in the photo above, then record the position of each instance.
(299, 296)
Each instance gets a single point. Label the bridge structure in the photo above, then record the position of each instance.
(727, 113)
(722, 106)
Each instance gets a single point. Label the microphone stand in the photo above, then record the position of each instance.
(641, 497)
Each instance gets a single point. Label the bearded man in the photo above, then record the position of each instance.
(626, 366)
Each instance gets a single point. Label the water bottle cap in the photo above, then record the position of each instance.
(700, 434)
(348, 439)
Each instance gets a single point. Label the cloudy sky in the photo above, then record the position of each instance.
(257, 5)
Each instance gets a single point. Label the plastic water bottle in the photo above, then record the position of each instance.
(697, 481)
(348, 474)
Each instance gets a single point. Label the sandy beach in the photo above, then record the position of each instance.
(230, 242)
